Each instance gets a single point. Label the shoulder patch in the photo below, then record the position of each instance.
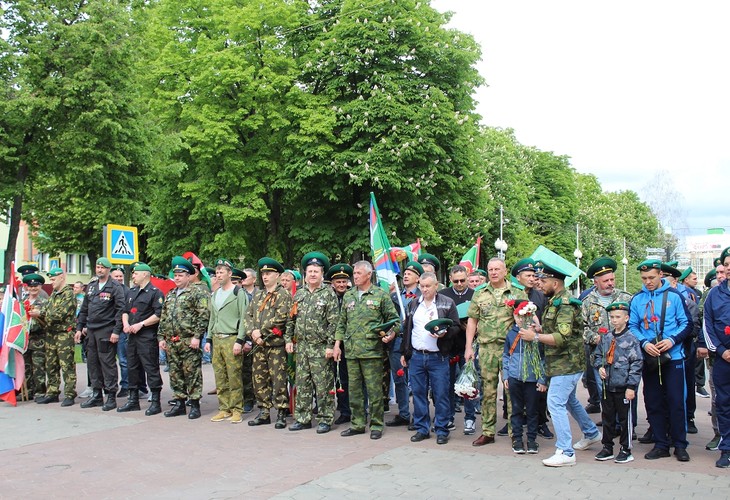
(557, 302)
(575, 301)
(564, 328)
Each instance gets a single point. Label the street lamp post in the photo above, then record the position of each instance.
(500, 244)
(577, 254)
(625, 262)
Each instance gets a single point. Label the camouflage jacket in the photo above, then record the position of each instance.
(495, 318)
(185, 315)
(562, 319)
(625, 370)
(269, 312)
(35, 327)
(59, 312)
(358, 317)
(595, 315)
(314, 317)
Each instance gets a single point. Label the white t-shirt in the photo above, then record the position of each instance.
(420, 338)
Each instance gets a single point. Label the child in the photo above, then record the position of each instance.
(619, 361)
(523, 370)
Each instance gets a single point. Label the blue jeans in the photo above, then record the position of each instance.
(401, 383)
(431, 369)
(122, 355)
(561, 401)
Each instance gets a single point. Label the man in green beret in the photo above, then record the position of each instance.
(58, 316)
(340, 277)
(312, 324)
(183, 321)
(266, 319)
(365, 307)
(431, 264)
(35, 355)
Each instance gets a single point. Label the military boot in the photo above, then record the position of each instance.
(280, 419)
(111, 401)
(96, 399)
(177, 409)
(154, 408)
(262, 418)
(132, 403)
(194, 409)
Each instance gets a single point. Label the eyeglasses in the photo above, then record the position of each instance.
(458, 281)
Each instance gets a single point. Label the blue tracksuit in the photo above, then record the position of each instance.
(716, 329)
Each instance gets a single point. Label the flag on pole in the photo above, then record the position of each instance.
(13, 340)
(385, 268)
(407, 253)
(470, 260)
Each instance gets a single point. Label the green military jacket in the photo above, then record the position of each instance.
(59, 312)
(563, 320)
(595, 315)
(35, 327)
(185, 315)
(358, 317)
(269, 312)
(495, 318)
(231, 317)
(314, 317)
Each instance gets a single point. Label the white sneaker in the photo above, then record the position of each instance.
(87, 393)
(586, 442)
(469, 427)
(559, 460)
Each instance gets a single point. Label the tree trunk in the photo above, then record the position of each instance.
(15, 216)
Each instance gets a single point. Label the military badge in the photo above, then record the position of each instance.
(564, 328)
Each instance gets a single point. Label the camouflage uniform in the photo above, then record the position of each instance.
(563, 320)
(495, 319)
(268, 312)
(59, 317)
(35, 355)
(365, 350)
(313, 326)
(183, 317)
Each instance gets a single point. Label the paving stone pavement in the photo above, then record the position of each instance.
(49, 451)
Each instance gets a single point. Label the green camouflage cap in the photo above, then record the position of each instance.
(414, 267)
(317, 259)
(601, 266)
(340, 270)
(267, 264)
(181, 264)
(33, 279)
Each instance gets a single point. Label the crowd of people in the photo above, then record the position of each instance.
(329, 346)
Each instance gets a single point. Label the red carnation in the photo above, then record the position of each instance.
(509, 303)
(454, 360)
(603, 329)
(340, 390)
(27, 306)
(133, 310)
(727, 330)
(654, 319)
(331, 391)
(277, 332)
(400, 372)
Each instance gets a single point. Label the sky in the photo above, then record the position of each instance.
(628, 90)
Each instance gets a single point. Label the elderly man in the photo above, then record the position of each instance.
(35, 355)
(340, 277)
(368, 321)
(490, 318)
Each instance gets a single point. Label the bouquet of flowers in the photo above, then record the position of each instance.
(530, 350)
(467, 385)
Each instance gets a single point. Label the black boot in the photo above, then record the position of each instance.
(111, 401)
(262, 418)
(194, 409)
(132, 403)
(177, 409)
(154, 408)
(280, 420)
(96, 399)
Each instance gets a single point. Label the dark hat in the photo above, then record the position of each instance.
(482, 272)
(317, 259)
(649, 264)
(618, 306)
(438, 326)
(672, 263)
(427, 258)
(210, 270)
(103, 261)
(670, 270)
(117, 268)
(55, 271)
(709, 277)
(717, 262)
(238, 274)
(685, 273)
(269, 264)
(221, 262)
(33, 279)
(339, 271)
(27, 269)
(181, 264)
(601, 266)
(543, 270)
(383, 328)
(414, 266)
(724, 254)
(526, 264)
(141, 266)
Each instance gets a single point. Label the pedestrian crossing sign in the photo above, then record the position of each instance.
(120, 244)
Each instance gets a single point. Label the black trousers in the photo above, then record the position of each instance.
(102, 360)
(525, 399)
(616, 407)
(143, 357)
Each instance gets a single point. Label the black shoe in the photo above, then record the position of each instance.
(323, 428)
(604, 454)
(532, 447)
(298, 426)
(441, 439)
(398, 421)
(281, 420)
(624, 456)
(68, 402)
(701, 392)
(261, 419)
(418, 437)
(342, 419)
(96, 399)
(648, 437)
(411, 426)
(504, 431)
(518, 446)
(691, 427)
(47, 399)
(248, 408)
(376, 434)
(177, 409)
(351, 432)
(132, 403)
(657, 453)
(724, 461)
(154, 408)
(681, 454)
(123, 393)
(593, 408)
(110, 403)
(172, 402)
(544, 431)
(194, 409)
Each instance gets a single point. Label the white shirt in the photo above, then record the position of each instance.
(421, 339)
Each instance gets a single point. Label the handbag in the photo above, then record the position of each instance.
(652, 363)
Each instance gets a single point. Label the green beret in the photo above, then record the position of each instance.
(238, 274)
(482, 272)
(103, 261)
(414, 266)
(709, 277)
(685, 273)
(618, 306)
(55, 271)
(141, 266)
(383, 328)
(649, 264)
(117, 268)
(269, 264)
(221, 262)
(339, 271)
(438, 326)
(427, 258)
(317, 259)
(522, 265)
(543, 270)
(33, 279)
(601, 266)
(27, 269)
(724, 254)
(297, 275)
(672, 263)
(670, 270)
(181, 264)
(717, 262)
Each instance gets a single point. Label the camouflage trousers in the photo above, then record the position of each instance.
(35, 365)
(227, 370)
(314, 377)
(490, 362)
(249, 397)
(370, 372)
(270, 377)
(186, 373)
(60, 360)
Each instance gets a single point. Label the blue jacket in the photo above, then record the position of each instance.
(717, 318)
(677, 325)
(513, 365)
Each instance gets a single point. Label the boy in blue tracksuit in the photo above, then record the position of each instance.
(664, 388)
